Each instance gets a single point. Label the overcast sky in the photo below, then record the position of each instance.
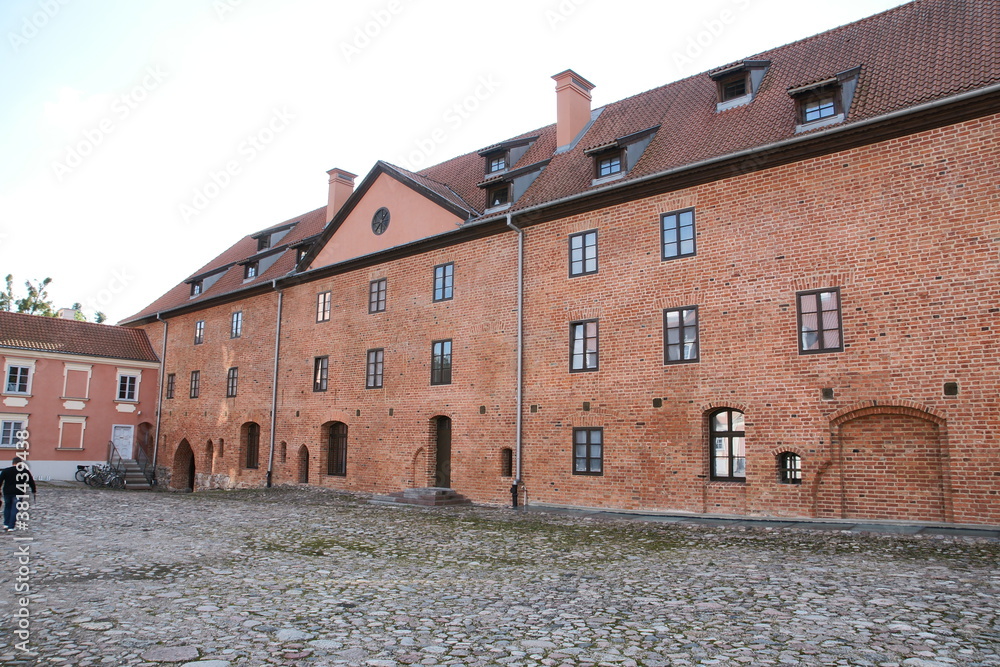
(138, 140)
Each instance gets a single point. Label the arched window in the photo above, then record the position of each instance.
(336, 449)
(251, 444)
(506, 462)
(789, 468)
(727, 445)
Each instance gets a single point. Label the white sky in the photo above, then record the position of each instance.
(114, 115)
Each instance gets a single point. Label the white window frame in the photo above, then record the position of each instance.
(137, 373)
(20, 363)
(65, 419)
(15, 418)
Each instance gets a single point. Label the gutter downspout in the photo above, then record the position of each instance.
(520, 357)
(274, 384)
(159, 395)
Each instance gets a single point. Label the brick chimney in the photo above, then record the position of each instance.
(572, 106)
(341, 187)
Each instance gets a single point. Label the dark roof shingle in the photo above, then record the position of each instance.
(50, 334)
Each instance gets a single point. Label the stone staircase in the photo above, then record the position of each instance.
(427, 497)
(134, 479)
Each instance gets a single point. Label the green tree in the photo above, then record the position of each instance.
(37, 301)
(7, 296)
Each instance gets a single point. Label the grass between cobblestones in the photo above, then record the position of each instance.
(306, 576)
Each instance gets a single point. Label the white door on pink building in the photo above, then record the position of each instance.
(121, 436)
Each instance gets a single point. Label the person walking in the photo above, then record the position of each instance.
(12, 482)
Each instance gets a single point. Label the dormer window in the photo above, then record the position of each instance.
(264, 242)
(301, 253)
(738, 83)
(608, 164)
(614, 159)
(250, 271)
(498, 195)
(819, 105)
(732, 87)
(503, 156)
(496, 162)
(196, 287)
(825, 102)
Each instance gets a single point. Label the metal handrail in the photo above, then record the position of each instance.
(144, 463)
(114, 458)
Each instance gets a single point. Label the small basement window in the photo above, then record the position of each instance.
(789, 468)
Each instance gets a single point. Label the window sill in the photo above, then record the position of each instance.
(733, 103)
(16, 394)
(607, 179)
(496, 209)
(69, 449)
(816, 124)
(73, 398)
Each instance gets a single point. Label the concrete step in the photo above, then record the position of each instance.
(424, 497)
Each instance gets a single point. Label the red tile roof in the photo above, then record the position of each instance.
(227, 263)
(919, 52)
(50, 334)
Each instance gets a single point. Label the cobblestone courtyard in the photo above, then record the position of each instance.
(311, 577)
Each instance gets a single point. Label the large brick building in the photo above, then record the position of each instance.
(768, 289)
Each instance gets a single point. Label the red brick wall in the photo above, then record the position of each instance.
(212, 416)
(392, 452)
(906, 230)
(887, 465)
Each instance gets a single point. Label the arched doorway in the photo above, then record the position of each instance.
(442, 458)
(250, 444)
(891, 463)
(303, 465)
(183, 469)
(144, 441)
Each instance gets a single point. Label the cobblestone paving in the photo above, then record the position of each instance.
(312, 577)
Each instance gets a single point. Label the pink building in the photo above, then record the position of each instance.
(78, 389)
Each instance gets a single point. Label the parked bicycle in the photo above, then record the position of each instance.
(102, 476)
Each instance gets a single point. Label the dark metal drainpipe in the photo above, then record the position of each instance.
(274, 385)
(520, 357)
(159, 396)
